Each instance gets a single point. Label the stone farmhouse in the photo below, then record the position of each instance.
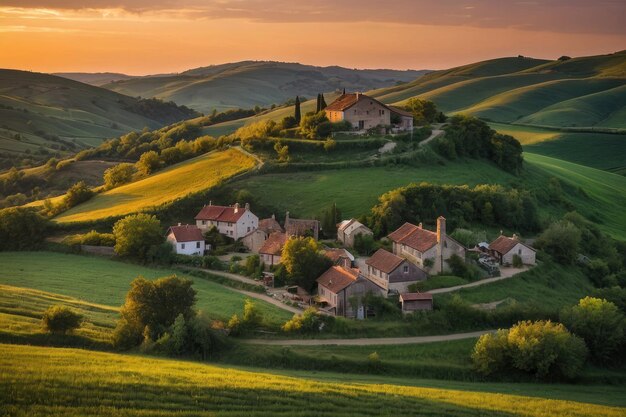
(255, 239)
(347, 230)
(426, 249)
(338, 286)
(505, 248)
(365, 112)
(234, 222)
(272, 249)
(302, 227)
(186, 239)
(393, 273)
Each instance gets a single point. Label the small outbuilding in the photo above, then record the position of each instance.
(505, 248)
(414, 301)
(272, 249)
(186, 239)
(348, 230)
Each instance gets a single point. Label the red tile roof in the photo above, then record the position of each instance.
(336, 254)
(384, 261)
(270, 225)
(415, 296)
(400, 111)
(186, 233)
(345, 101)
(220, 213)
(274, 244)
(414, 237)
(504, 244)
(336, 278)
(300, 227)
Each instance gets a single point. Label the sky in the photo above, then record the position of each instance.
(162, 36)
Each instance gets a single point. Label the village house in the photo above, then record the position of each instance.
(426, 249)
(347, 231)
(393, 273)
(414, 301)
(302, 227)
(255, 239)
(339, 289)
(365, 112)
(234, 222)
(272, 249)
(505, 248)
(186, 239)
(340, 257)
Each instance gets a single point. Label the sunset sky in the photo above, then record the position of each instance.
(160, 36)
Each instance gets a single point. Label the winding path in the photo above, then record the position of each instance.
(368, 341)
(506, 274)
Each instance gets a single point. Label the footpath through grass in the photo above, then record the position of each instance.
(106, 282)
(194, 175)
(47, 381)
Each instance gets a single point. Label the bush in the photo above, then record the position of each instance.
(118, 175)
(310, 321)
(600, 324)
(92, 238)
(561, 240)
(60, 320)
(542, 349)
(136, 234)
(517, 261)
(22, 228)
(460, 268)
(76, 194)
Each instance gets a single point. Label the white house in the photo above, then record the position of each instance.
(186, 239)
(347, 230)
(426, 249)
(234, 222)
(505, 248)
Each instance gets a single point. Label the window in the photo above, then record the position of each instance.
(406, 269)
(445, 244)
(248, 228)
(197, 245)
(519, 251)
(182, 246)
(203, 222)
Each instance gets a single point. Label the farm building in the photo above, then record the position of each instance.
(365, 112)
(340, 257)
(393, 273)
(272, 248)
(302, 227)
(338, 286)
(413, 301)
(505, 248)
(234, 222)
(186, 239)
(426, 249)
(255, 239)
(347, 230)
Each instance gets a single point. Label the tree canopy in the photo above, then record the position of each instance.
(136, 234)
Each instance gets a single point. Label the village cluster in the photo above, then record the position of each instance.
(417, 253)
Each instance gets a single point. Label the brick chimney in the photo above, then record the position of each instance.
(210, 203)
(441, 229)
(419, 226)
(286, 218)
(441, 238)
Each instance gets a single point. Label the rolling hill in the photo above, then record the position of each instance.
(250, 83)
(43, 114)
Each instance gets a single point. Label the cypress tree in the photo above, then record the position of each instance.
(322, 102)
(344, 91)
(297, 115)
(319, 104)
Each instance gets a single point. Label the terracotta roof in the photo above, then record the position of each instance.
(270, 225)
(414, 237)
(274, 244)
(336, 254)
(186, 233)
(336, 278)
(400, 111)
(299, 227)
(415, 296)
(345, 101)
(344, 224)
(384, 261)
(220, 213)
(504, 244)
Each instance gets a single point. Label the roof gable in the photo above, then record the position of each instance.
(274, 244)
(415, 237)
(186, 233)
(221, 213)
(385, 261)
(345, 101)
(504, 244)
(337, 278)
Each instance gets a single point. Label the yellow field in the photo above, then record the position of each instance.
(191, 176)
(41, 381)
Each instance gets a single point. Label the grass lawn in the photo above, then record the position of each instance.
(103, 281)
(441, 281)
(177, 181)
(53, 381)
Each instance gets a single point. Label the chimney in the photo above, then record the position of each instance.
(247, 206)
(179, 224)
(273, 217)
(515, 236)
(210, 203)
(357, 95)
(419, 226)
(441, 229)
(236, 207)
(286, 218)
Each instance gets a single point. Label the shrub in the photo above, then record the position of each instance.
(60, 320)
(561, 240)
(542, 349)
(21, 228)
(252, 316)
(600, 324)
(310, 321)
(148, 162)
(517, 261)
(460, 268)
(136, 234)
(118, 175)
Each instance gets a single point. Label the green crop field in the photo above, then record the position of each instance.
(46, 381)
(197, 174)
(105, 282)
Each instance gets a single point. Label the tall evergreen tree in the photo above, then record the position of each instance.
(297, 114)
(319, 103)
(344, 91)
(323, 104)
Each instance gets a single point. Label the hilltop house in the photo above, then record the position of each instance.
(255, 239)
(302, 227)
(505, 248)
(338, 287)
(234, 222)
(424, 248)
(365, 112)
(347, 230)
(393, 273)
(186, 240)
(272, 248)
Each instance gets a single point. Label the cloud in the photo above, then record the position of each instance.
(568, 16)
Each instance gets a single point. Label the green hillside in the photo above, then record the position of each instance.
(250, 83)
(43, 114)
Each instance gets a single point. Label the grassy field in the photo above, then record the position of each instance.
(46, 381)
(197, 174)
(105, 282)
